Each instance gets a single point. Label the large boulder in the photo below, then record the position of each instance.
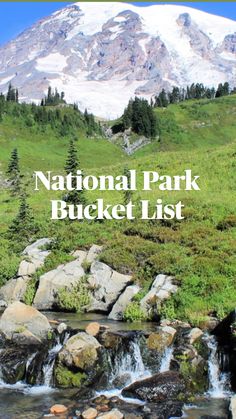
(160, 387)
(125, 298)
(20, 319)
(34, 257)
(107, 285)
(161, 289)
(80, 351)
(80, 362)
(50, 283)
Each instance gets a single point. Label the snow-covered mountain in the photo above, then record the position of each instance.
(101, 54)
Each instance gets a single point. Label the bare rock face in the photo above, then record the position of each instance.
(26, 321)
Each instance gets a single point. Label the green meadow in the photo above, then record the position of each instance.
(198, 251)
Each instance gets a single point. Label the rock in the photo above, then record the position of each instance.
(103, 408)
(161, 289)
(113, 414)
(13, 363)
(35, 257)
(107, 286)
(79, 254)
(25, 338)
(58, 409)
(209, 323)
(102, 400)
(121, 381)
(194, 334)
(3, 304)
(232, 407)
(160, 339)
(90, 413)
(160, 387)
(15, 288)
(50, 283)
(61, 328)
(226, 326)
(110, 340)
(80, 351)
(93, 329)
(93, 253)
(18, 318)
(125, 298)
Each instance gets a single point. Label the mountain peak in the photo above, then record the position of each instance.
(101, 54)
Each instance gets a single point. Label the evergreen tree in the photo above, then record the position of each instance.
(13, 172)
(71, 166)
(12, 94)
(162, 100)
(23, 227)
(220, 90)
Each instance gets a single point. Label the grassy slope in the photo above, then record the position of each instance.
(197, 135)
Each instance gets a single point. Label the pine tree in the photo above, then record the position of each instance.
(23, 227)
(71, 166)
(13, 172)
(128, 193)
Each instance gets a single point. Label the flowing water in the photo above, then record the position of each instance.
(166, 359)
(218, 380)
(126, 366)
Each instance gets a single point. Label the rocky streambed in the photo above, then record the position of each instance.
(93, 364)
(96, 369)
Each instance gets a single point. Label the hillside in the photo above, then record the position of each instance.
(101, 54)
(198, 252)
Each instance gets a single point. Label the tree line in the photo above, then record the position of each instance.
(194, 91)
(65, 120)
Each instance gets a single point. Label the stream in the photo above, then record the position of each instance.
(22, 400)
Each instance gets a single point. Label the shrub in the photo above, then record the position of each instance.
(134, 312)
(227, 223)
(74, 299)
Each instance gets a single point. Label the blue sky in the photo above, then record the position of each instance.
(20, 15)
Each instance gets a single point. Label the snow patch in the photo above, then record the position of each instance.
(52, 63)
(6, 80)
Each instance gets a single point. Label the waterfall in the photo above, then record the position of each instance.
(126, 368)
(218, 381)
(46, 383)
(129, 364)
(166, 359)
(48, 366)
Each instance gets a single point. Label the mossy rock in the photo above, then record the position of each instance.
(159, 340)
(66, 378)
